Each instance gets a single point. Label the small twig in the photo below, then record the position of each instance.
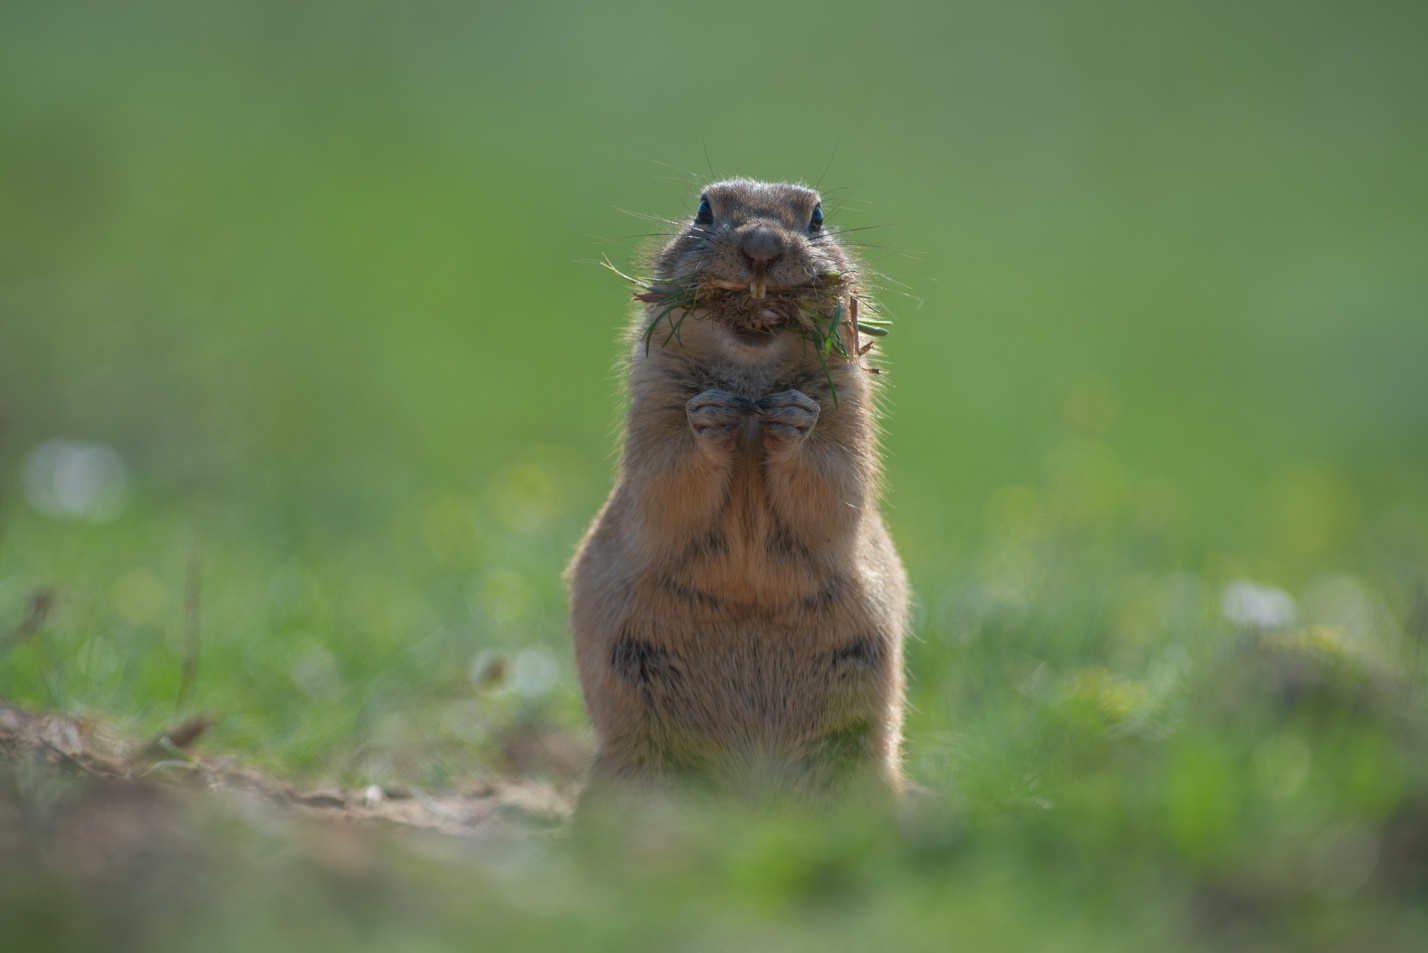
(441, 810)
(192, 591)
(182, 735)
(169, 765)
(80, 762)
(37, 610)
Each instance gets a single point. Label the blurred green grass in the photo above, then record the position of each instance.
(322, 275)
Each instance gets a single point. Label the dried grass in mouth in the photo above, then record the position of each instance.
(825, 314)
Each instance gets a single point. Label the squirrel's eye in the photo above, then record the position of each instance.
(705, 215)
(817, 221)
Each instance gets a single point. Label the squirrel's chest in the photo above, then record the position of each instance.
(750, 559)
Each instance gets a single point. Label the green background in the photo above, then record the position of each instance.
(324, 276)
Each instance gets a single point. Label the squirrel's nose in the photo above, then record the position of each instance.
(762, 246)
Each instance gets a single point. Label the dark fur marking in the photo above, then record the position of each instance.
(689, 594)
(782, 542)
(824, 597)
(649, 666)
(710, 544)
(864, 653)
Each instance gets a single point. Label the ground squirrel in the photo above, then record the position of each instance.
(738, 606)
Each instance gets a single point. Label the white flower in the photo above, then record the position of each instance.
(76, 479)
(1257, 606)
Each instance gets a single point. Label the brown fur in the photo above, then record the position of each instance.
(737, 606)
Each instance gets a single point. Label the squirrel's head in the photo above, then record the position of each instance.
(756, 236)
(756, 252)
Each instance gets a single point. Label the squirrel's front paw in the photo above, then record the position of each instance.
(788, 417)
(716, 415)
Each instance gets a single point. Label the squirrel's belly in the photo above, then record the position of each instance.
(737, 678)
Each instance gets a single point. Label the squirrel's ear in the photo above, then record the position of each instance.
(705, 215)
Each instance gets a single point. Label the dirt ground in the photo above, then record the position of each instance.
(41, 747)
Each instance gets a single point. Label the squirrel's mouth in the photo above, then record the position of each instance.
(752, 311)
(753, 320)
(758, 329)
